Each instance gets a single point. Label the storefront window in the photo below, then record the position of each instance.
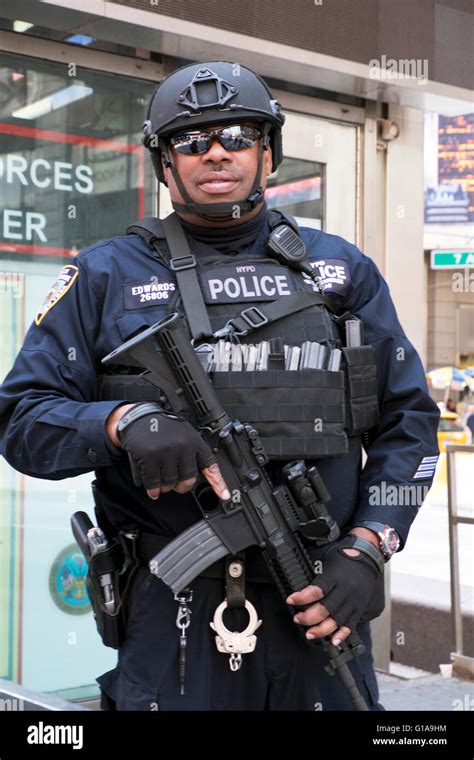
(72, 167)
(72, 172)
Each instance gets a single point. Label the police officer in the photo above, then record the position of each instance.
(214, 133)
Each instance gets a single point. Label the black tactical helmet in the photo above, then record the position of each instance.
(214, 92)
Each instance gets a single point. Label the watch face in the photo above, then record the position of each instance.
(390, 541)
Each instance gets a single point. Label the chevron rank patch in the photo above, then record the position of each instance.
(426, 468)
(58, 289)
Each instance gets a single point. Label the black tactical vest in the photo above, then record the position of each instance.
(305, 413)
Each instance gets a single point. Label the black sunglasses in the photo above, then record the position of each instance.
(233, 137)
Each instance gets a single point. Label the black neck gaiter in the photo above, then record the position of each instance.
(228, 240)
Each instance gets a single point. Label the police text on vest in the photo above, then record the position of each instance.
(250, 286)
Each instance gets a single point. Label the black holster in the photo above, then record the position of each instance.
(118, 563)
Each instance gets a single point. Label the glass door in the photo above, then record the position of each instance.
(316, 182)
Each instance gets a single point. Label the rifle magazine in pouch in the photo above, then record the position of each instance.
(297, 414)
(108, 585)
(361, 381)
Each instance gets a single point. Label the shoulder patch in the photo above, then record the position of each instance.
(58, 289)
(334, 274)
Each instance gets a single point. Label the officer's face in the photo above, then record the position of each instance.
(218, 175)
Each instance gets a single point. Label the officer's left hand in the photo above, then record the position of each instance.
(345, 585)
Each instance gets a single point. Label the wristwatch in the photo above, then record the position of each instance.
(389, 540)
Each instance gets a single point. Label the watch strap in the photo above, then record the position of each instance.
(133, 414)
(367, 548)
(380, 529)
(371, 525)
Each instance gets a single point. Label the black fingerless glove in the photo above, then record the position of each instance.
(163, 448)
(353, 586)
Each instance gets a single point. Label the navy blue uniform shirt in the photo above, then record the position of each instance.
(52, 425)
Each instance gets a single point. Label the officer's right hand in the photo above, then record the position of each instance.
(166, 453)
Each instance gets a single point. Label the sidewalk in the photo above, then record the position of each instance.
(426, 692)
